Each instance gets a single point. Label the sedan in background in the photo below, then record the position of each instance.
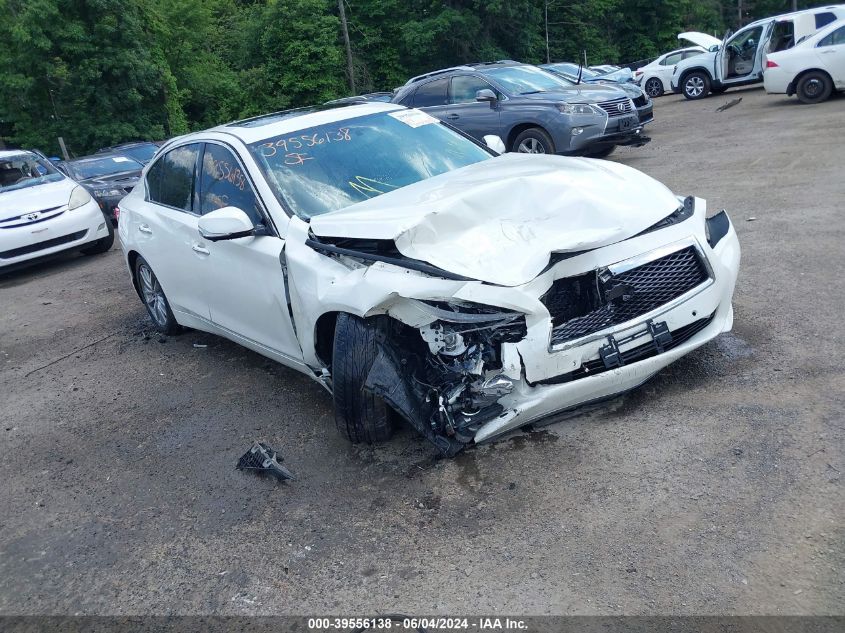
(109, 177)
(655, 78)
(812, 69)
(142, 151)
(43, 212)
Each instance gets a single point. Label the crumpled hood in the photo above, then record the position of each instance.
(499, 220)
(37, 198)
(578, 93)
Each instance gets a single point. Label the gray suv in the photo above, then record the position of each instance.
(530, 109)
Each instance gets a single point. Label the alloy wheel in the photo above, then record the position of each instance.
(694, 86)
(653, 87)
(531, 146)
(153, 295)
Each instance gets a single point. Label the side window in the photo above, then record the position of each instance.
(837, 37)
(688, 54)
(170, 180)
(408, 99)
(464, 88)
(224, 184)
(671, 60)
(823, 19)
(431, 94)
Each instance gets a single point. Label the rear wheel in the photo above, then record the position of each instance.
(654, 87)
(696, 85)
(814, 87)
(533, 141)
(359, 415)
(152, 294)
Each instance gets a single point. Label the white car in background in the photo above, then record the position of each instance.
(419, 275)
(812, 69)
(655, 78)
(43, 212)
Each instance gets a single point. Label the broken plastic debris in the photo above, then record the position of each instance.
(262, 458)
(200, 345)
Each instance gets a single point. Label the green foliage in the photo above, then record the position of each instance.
(99, 72)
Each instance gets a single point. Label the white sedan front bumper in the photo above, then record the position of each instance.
(64, 230)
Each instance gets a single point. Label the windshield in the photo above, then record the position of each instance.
(524, 80)
(23, 170)
(572, 69)
(328, 167)
(96, 167)
(143, 153)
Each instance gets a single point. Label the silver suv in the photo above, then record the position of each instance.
(532, 110)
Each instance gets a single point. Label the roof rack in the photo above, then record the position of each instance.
(434, 73)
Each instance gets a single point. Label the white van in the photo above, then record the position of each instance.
(738, 60)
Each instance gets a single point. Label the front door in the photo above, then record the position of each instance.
(245, 286)
(476, 118)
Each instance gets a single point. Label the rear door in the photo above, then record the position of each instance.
(245, 283)
(165, 228)
(475, 118)
(831, 55)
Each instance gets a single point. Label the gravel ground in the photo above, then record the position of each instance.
(716, 488)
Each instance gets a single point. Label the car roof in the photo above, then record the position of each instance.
(792, 14)
(8, 153)
(286, 121)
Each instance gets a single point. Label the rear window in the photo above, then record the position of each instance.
(823, 19)
(431, 94)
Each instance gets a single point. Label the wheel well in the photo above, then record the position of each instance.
(687, 72)
(132, 257)
(519, 129)
(810, 70)
(324, 337)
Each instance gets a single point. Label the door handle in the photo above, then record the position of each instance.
(453, 116)
(197, 248)
(145, 228)
(828, 52)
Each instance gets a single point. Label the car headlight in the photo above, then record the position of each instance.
(106, 193)
(78, 197)
(576, 108)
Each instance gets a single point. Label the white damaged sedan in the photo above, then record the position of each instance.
(418, 275)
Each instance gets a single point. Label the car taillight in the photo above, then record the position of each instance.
(637, 73)
(770, 64)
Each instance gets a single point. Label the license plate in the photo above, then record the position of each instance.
(628, 122)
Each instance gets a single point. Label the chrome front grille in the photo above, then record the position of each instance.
(31, 217)
(617, 107)
(611, 298)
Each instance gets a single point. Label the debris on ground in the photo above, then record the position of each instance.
(727, 105)
(263, 459)
(200, 345)
(751, 218)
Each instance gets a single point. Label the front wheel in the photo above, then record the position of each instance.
(654, 87)
(533, 141)
(696, 85)
(359, 415)
(152, 294)
(814, 87)
(103, 244)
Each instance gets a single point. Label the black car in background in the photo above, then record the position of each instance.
(108, 177)
(142, 151)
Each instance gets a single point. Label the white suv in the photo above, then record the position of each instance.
(43, 212)
(417, 274)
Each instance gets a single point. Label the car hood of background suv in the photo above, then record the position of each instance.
(580, 93)
(499, 220)
(120, 179)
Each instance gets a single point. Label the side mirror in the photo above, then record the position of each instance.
(228, 223)
(495, 143)
(486, 95)
(714, 48)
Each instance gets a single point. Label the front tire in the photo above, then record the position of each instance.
(360, 416)
(654, 87)
(534, 140)
(152, 294)
(696, 85)
(814, 87)
(103, 244)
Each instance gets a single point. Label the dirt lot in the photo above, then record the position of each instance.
(714, 489)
